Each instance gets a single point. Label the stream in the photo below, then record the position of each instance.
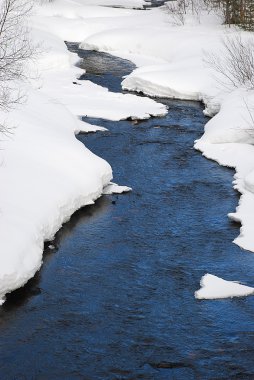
(115, 298)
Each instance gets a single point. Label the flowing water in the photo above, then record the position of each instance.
(115, 298)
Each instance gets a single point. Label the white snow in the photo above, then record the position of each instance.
(87, 128)
(46, 174)
(113, 188)
(213, 287)
(171, 63)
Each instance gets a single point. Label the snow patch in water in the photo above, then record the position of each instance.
(213, 287)
(113, 188)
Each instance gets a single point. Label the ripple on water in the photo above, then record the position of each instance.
(115, 297)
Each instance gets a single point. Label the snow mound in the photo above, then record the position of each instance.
(113, 188)
(165, 81)
(213, 287)
(46, 174)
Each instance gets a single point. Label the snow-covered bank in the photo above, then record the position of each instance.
(228, 139)
(46, 174)
(36, 199)
(180, 72)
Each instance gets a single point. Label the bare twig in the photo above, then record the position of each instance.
(234, 63)
(15, 50)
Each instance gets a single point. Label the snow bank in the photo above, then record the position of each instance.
(83, 97)
(171, 63)
(228, 139)
(115, 3)
(46, 174)
(213, 287)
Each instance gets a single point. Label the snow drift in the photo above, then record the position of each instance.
(46, 174)
(171, 60)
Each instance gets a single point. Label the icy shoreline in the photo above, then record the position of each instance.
(46, 173)
(178, 71)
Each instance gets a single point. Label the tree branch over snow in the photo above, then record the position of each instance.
(15, 50)
(234, 64)
(178, 9)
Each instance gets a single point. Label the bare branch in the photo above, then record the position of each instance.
(234, 64)
(15, 50)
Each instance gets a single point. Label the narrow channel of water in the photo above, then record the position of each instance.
(115, 299)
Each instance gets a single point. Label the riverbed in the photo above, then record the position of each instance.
(115, 296)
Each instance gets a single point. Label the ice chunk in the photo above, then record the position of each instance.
(213, 287)
(113, 188)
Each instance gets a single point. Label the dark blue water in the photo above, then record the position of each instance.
(115, 299)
